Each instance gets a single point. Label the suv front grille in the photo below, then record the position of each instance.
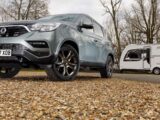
(13, 31)
(13, 47)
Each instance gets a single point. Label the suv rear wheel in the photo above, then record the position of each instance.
(66, 66)
(108, 70)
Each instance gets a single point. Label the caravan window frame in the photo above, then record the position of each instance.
(148, 55)
(138, 59)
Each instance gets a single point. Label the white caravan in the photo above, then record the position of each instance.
(141, 57)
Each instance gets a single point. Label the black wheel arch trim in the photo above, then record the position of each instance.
(68, 41)
(112, 55)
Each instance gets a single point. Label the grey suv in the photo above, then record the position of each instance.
(60, 44)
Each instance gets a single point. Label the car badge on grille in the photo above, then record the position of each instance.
(3, 31)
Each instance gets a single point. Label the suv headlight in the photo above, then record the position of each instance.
(45, 27)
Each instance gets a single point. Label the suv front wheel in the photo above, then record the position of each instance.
(66, 66)
(9, 72)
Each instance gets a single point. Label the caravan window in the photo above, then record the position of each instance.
(133, 55)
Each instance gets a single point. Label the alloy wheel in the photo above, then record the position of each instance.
(66, 63)
(110, 68)
(4, 70)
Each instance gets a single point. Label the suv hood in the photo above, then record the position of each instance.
(26, 23)
(29, 23)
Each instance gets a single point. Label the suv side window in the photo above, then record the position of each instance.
(87, 21)
(133, 55)
(98, 30)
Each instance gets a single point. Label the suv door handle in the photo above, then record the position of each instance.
(95, 40)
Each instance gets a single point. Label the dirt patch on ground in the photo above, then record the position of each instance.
(31, 95)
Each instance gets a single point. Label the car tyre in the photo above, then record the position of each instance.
(9, 72)
(108, 70)
(156, 71)
(122, 71)
(66, 66)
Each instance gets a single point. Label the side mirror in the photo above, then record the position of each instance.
(85, 26)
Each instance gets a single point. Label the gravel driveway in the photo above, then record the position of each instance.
(139, 77)
(32, 96)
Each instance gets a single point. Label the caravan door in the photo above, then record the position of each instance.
(146, 58)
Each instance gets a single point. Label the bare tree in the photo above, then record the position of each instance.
(112, 8)
(25, 9)
(3, 16)
(145, 19)
(131, 34)
(39, 9)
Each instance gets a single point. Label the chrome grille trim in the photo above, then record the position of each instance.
(13, 30)
(6, 26)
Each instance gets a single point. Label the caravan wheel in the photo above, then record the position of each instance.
(156, 71)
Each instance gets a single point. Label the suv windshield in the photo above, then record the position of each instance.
(67, 18)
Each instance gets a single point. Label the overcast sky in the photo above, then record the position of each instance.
(90, 7)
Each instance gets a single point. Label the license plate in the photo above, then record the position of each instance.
(5, 52)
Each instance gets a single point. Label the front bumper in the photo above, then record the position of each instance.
(22, 54)
(22, 51)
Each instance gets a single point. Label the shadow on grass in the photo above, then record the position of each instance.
(79, 78)
(45, 78)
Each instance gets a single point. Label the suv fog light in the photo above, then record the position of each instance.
(38, 44)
